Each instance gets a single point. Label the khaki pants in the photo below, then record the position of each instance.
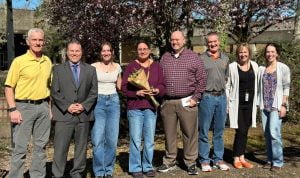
(172, 111)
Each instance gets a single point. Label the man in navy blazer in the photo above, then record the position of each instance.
(74, 94)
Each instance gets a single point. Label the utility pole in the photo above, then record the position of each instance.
(297, 23)
(189, 23)
(10, 32)
(10, 46)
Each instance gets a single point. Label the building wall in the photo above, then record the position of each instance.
(23, 21)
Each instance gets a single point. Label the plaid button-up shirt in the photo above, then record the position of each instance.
(184, 75)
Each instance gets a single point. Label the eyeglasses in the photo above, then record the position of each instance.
(143, 49)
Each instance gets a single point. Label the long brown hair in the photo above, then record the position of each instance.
(111, 50)
(276, 48)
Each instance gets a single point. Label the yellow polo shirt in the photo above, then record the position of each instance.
(30, 77)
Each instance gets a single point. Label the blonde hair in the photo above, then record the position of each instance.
(240, 47)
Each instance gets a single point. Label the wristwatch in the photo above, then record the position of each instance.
(284, 105)
(12, 109)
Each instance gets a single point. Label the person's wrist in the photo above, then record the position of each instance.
(12, 109)
(284, 105)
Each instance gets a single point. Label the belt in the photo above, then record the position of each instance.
(33, 101)
(215, 93)
(173, 97)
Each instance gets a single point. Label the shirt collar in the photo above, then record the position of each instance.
(31, 57)
(71, 64)
(173, 53)
(220, 52)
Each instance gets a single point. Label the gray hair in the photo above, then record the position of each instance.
(211, 34)
(34, 30)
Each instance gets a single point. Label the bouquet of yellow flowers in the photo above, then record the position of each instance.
(140, 80)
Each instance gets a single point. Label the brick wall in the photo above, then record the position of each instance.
(4, 119)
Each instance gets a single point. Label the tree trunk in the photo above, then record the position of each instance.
(10, 33)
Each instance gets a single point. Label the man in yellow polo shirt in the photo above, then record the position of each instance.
(27, 94)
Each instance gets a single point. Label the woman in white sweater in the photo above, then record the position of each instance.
(241, 91)
(274, 86)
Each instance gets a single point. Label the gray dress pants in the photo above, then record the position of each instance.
(36, 122)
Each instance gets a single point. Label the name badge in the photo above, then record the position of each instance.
(247, 96)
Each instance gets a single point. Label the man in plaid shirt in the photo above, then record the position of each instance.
(185, 79)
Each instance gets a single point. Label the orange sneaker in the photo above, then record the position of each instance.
(247, 164)
(237, 165)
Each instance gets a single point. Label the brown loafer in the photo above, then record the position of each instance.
(275, 168)
(267, 166)
(150, 173)
(137, 175)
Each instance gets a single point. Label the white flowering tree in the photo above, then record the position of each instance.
(95, 21)
(244, 20)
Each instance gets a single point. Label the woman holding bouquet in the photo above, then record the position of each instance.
(141, 111)
(105, 131)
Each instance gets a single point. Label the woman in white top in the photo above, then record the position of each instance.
(107, 113)
(241, 90)
(274, 87)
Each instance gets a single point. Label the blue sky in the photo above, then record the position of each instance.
(23, 4)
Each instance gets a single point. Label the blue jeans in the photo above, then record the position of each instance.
(105, 134)
(142, 122)
(211, 109)
(272, 132)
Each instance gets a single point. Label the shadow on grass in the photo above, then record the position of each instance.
(123, 159)
(291, 155)
(69, 166)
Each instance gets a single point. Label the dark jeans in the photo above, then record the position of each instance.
(241, 134)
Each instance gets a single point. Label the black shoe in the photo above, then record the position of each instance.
(150, 173)
(99, 177)
(192, 170)
(108, 176)
(137, 175)
(166, 168)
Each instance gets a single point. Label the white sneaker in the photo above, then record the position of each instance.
(222, 166)
(205, 167)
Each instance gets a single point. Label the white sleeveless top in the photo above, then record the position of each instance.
(107, 81)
